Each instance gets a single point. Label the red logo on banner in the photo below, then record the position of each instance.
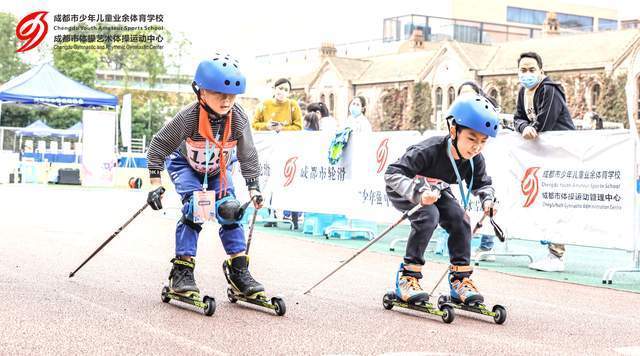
(381, 154)
(32, 29)
(289, 171)
(529, 186)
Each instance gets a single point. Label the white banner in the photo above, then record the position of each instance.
(98, 148)
(570, 187)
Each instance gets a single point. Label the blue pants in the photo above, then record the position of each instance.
(187, 181)
(486, 242)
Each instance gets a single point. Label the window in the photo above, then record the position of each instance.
(528, 16)
(493, 93)
(331, 103)
(438, 99)
(576, 22)
(595, 94)
(451, 95)
(322, 99)
(607, 25)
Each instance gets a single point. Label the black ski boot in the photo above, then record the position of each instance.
(181, 278)
(239, 278)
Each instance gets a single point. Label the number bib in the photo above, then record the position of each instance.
(197, 158)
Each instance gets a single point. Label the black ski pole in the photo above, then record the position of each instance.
(404, 216)
(110, 238)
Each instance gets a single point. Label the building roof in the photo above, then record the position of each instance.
(350, 68)
(578, 51)
(398, 67)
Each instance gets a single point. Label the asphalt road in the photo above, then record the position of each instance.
(113, 306)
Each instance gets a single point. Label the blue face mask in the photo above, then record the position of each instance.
(529, 80)
(355, 110)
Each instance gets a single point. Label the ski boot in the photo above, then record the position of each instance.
(182, 287)
(243, 287)
(408, 294)
(464, 295)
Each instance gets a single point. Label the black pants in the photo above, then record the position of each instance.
(449, 214)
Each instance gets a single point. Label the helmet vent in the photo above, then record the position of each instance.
(237, 83)
(226, 82)
(487, 124)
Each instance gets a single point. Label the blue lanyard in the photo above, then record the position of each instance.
(465, 198)
(207, 156)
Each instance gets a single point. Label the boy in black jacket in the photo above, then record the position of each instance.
(448, 159)
(541, 106)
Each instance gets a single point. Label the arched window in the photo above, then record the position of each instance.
(595, 95)
(331, 103)
(322, 99)
(451, 96)
(438, 99)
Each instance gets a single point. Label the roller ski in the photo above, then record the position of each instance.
(242, 286)
(409, 295)
(464, 295)
(182, 287)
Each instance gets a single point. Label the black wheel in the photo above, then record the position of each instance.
(391, 249)
(449, 314)
(501, 314)
(165, 295)
(231, 296)
(211, 306)
(280, 307)
(441, 301)
(387, 300)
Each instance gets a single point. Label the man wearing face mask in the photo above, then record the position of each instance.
(541, 106)
(279, 113)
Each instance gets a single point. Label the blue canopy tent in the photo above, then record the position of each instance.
(43, 84)
(37, 128)
(40, 129)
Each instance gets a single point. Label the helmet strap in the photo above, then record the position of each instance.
(201, 101)
(455, 139)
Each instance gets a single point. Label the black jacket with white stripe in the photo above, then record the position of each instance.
(550, 106)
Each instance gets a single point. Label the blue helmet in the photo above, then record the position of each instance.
(220, 74)
(475, 112)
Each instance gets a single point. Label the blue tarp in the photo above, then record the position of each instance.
(43, 84)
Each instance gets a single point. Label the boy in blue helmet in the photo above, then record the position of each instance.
(197, 146)
(450, 159)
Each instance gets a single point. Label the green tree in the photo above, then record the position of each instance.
(612, 104)
(421, 109)
(77, 64)
(10, 63)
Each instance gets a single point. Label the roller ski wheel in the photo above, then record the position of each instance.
(501, 314)
(390, 300)
(498, 312)
(207, 303)
(260, 299)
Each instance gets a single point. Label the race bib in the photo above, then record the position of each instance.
(203, 206)
(197, 158)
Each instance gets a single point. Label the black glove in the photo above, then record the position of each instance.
(154, 199)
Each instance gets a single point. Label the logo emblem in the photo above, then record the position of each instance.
(529, 186)
(381, 155)
(32, 29)
(289, 171)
